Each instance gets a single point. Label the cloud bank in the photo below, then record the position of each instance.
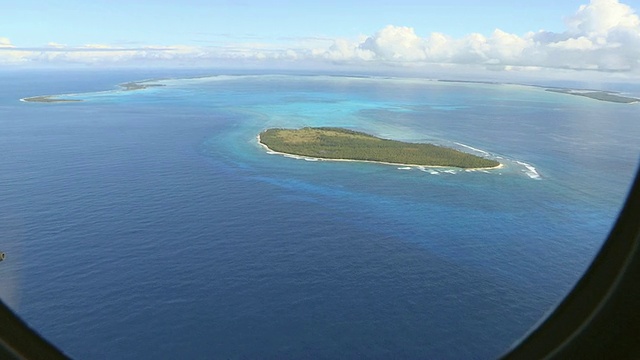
(604, 36)
(601, 36)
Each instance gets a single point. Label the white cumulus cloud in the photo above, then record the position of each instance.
(603, 35)
(4, 42)
(55, 45)
(601, 17)
(581, 43)
(396, 43)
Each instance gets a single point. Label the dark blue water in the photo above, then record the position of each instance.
(150, 224)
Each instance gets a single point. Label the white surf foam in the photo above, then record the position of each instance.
(530, 170)
(474, 149)
(428, 170)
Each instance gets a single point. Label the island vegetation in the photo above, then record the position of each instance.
(598, 95)
(344, 144)
(48, 99)
(130, 86)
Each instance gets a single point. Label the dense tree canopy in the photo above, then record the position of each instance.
(339, 143)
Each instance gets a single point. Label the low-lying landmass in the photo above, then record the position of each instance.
(609, 96)
(598, 95)
(130, 86)
(138, 86)
(471, 82)
(343, 144)
(48, 99)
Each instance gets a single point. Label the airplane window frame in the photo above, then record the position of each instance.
(599, 318)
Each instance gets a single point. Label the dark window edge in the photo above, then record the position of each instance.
(600, 317)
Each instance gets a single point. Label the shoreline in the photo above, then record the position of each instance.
(139, 85)
(303, 157)
(48, 99)
(599, 95)
(129, 86)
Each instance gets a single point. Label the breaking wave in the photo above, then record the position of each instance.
(530, 170)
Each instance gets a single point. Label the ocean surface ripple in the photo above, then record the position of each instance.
(150, 223)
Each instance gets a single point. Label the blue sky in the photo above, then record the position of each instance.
(499, 35)
(35, 23)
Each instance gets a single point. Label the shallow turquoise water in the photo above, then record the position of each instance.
(150, 223)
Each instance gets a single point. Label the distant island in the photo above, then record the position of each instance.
(598, 95)
(608, 96)
(138, 86)
(130, 86)
(343, 144)
(48, 99)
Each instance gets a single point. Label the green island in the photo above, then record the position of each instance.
(343, 144)
(598, 95)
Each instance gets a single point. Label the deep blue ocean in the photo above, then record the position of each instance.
(150, 224)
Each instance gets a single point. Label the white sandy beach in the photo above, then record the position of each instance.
(302, 157)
